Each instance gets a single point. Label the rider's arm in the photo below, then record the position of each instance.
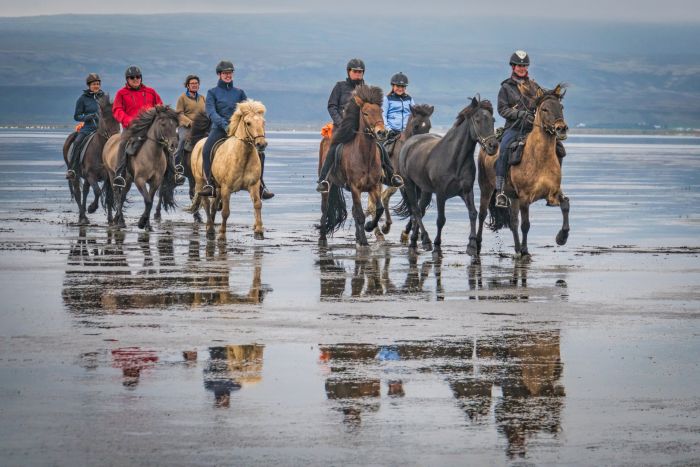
(216, 119)
(80, 115)
(334, 106)
(118, 111)
(184, 120)
(507, 109)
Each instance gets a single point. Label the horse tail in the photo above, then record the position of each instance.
(107, 195)
(196, 201)
(167, 188)
(336, 212)
(403, 209)
(498, 217)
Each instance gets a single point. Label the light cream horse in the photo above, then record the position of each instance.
(235, 166)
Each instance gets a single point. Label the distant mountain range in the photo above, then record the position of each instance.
(620, 75)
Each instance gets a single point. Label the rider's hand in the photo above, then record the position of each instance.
(521, 114)
(530, 118)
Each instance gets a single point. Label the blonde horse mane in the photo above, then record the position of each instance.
(242, 109)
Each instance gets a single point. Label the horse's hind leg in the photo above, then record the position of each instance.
(524, 227)
(322, 240)
(97, 192)
(440, 220)
(386, 196)
(472, 246)
(225, 197)
(563, 234)
(156, 215)
(376, 196)
(82, 201)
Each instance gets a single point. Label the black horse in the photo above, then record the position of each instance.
(445, 166)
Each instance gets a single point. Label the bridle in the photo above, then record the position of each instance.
(482, 140)
(160, 140)
(368, 126)
(552, 127)
(249, 138)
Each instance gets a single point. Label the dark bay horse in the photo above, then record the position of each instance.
(148, 169)
(91, 170)
(360, 168)
(445, 166)
(536, 177)
(418, 123)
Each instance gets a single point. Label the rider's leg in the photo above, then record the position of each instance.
(502, 200)
(119, 180)
(74, 159)
(181, 134)
(394, 179)
(215, 135)
(264, 192)
(561, 151)
(323, 185)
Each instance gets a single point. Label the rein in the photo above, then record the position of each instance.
(480, 138)
(249, 139)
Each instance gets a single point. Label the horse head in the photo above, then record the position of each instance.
(550, 111)
(419, 121)
(164, 128)
(249, 121)
(108, 125)
(480, 114)
(369, 100)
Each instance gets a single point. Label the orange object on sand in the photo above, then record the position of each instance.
(79, 126)
(327, 130)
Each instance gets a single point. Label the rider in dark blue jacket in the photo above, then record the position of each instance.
(87, 110)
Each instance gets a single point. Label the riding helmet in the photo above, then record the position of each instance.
(133, 70)
(399, 79)
(355, 64)
(91, 78)
(520, 57)
(190, 78)
(224, 65)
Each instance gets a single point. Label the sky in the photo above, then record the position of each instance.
(668, 11)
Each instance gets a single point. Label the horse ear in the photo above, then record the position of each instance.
(357, 100)
(432, 109)
(475, 102)
(540, 93)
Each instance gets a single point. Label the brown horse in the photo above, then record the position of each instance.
(148, 169)
(418, 123)
(91, 169)
(360, 168)
(536, 177)
(235, 167)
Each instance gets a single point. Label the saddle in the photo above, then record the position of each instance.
(215, 148)
(83, 146)
(515, 150)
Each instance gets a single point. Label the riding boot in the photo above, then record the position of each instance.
(119, 179)
(395, 180)
(561, 152)
(208, 189)
(323, 185)
(264, 192)
(74, 161)
(502, 200)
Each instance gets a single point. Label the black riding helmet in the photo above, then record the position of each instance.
(190, 78)
(133, 70)
(355, 64)
(91, 78)
(399, 79)
(224, 65)
(520, 57)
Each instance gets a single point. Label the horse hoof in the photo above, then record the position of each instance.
(323, 242)
(142, 223)
(369, 226)
(427, 246)
(562, 237)
(379, 236)
(211, 235)
(157, 217)
(472, 250)
(148, 228)
(259, 236)
(197, 217)
(386, 229)
(91, 209)
(83, 221)
(404, 238)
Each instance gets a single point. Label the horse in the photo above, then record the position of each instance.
(91, 169)
(445, 166)
(235, 167)
(418, 123)
(360, 168)
(149, 167)
(536, 177)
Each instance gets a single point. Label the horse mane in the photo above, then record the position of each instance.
(200, 126)
(242, 109)
(140, 125)
(469, 110)
(423, 110)
(350, 123)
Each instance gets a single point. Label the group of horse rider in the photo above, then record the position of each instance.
(221, 102)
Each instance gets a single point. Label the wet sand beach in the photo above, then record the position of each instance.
(166, 348)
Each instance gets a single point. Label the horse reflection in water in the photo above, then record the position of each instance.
(230, 368)
(511, 284)
(100, 278)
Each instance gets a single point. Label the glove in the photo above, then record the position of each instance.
(521, 114)
(530, 118)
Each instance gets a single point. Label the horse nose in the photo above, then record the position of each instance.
(261, 145)
(492, 147)
(381, 134)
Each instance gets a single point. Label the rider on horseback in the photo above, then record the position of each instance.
(396, 108)
(340, 95)
(189, 104)
(519, 113)
(128, 102)
(221, 103)
(87, 111)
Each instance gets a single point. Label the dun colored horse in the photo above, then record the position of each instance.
(235, 166)
(418, 124)
(91, 169)
(445, 166)
(360, 168)
(536, 177)
(148, 169)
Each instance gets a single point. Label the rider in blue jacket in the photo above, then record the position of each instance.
(397, 105)
(87, 110)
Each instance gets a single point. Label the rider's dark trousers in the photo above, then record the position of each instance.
(179, 152)
(215, 135)
(121, 155)
(502, 163)
(74, 155)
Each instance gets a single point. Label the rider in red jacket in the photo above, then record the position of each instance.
(128, 102)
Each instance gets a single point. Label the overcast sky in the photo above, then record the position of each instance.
(621, 10)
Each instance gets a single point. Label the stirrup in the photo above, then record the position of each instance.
(179, 178)
(70, 174)
(323, 186)
(179, 169)
(265, 193)
(208, 191)
(502, 201)
(119, 182)
(396, 181)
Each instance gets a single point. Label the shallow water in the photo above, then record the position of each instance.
(168, 348)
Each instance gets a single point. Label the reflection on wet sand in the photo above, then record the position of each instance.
(132, 360)
(231, 367)
(102, 276)
(524, 365)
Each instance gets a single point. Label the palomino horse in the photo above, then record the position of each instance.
(148, 169)
(360, 169)
(91, 169)
(536, 177)
(445, 166)
(235, 166)
(418, 124)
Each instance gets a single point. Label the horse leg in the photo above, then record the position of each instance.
(514, 220)
(83, 220)
(472, 247)
(156, 215)
(440, 220)
(423, 203)
(322, 240)
(376, 196)
(563, 234)
(359, 215)
(524, 227)
(97, 192)
(406, 231)
(207, 205)
(483, 212)
(148, 204)
(120, 197)
(257, 207)
(386, 196)
(225, 196)
(416, 217)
